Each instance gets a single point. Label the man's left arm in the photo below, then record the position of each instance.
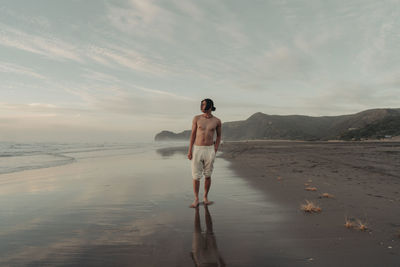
(219, 134)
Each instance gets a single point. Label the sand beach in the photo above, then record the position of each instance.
(363, 183)
(129, 207)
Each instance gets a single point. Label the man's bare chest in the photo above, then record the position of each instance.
(206, 125)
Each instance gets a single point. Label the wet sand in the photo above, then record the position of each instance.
(363, 177)
(132, 209)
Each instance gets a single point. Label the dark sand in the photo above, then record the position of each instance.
(364, 178)
(132, 209)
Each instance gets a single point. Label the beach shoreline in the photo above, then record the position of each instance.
(361, 178)
(117, 208)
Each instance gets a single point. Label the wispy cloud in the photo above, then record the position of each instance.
(144, 19)
(109, 55)
(46, 46)
(149, 102)
(38, 109)
(31, 20)
(309, 43)
(128, 58)
(377, 25)
(164, 93)
(129, 99)
(101, 77)
(145, 61)
(191, 9)
(42, 105)
(341, 97)
(12, 68)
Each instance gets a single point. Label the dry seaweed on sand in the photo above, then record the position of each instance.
(362, 226)
(356, 224)
(310, 188)
(349, 223)
(327, 195)
(310, 207)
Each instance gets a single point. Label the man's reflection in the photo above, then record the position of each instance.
(204, 246)
(171, 151)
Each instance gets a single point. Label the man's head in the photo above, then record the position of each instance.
(207, 105)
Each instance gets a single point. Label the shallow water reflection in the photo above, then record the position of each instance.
(171, 151)
(204, 246)
(132, 210)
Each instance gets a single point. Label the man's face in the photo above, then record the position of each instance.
(203, 106)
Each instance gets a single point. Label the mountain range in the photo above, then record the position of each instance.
(368, 124)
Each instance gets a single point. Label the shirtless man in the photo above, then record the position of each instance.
(202, 148)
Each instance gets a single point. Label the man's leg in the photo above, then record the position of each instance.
(207, 185)
(208, 168)
(196, 186)
(197, 170)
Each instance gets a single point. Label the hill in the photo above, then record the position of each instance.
(374, 123)
(171, 136)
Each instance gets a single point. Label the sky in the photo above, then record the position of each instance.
(122, 71)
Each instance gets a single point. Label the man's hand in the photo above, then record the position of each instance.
(189, 155)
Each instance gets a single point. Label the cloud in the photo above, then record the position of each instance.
(347, 97)
(190, 9)
(32, 110)
(59, 50)
(151, 103)
(101, 77)
(377, 25)
(279, 63)
(164, 93)
(132, 60)
(123, 97)
(233, 35)
(46, 46)
(390, 80)
(309, 43)
(42, 105)
(36, 21)
(128, 58)
(12, 68)
(144, 19)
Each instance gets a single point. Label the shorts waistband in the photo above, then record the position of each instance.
(203, 147)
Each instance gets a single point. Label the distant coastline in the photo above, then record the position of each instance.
(374, 124)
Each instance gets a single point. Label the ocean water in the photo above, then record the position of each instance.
(15, 157)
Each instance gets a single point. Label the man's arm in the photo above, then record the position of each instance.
(192, 137)
(219, 134)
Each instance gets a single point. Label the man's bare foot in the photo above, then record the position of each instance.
(207, 202)
(195, 204)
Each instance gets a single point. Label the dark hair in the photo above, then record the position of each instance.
(210, 104)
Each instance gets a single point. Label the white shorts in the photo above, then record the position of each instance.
(202, 161)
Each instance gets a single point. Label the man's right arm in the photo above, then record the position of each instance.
(192, 137)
